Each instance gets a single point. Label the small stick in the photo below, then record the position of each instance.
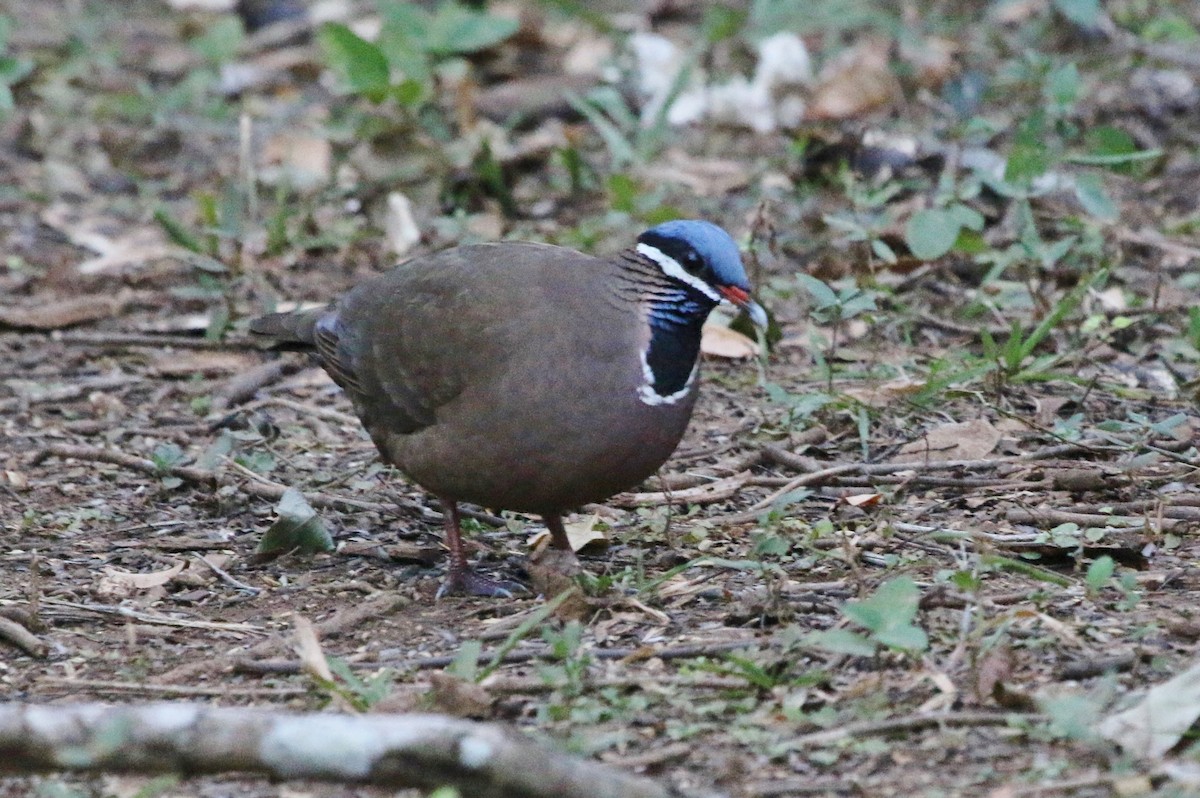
(226, 577)
(911, 723)
(1056, 517)
(284, 667)
(16, 634)
(171, 690)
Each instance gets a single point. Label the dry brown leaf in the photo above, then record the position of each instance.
(61, 313)
(115, 242)
(932, 59)
(308, 649)
(1154, 725)
(458, 697)
(708, 177)
(209, 364)
(855, 82)
(967, 440)
(720, 341)
(296, 159)
(116, 582)
(582, 533)
(399, 225)
(995, 668)
(863, 499)
(886, 393)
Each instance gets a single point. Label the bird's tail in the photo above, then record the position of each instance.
(289, 331)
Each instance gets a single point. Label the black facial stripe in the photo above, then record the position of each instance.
(676, 249)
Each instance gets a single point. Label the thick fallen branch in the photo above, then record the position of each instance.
(393, 751)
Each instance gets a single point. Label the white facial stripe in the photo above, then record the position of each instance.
(671, 268)
(650, 396)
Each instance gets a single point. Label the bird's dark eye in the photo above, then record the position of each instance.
(691, 261)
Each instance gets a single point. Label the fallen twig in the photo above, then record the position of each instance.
(260, 488)
(393, 751)
(153, 618)
(288, 666)
(869, 728)
(122, 339)
(16, 634)
(1017, 515)
(75, 686)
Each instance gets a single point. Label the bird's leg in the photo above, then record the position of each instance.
(460, 577)
(558, 557)
(558, 535)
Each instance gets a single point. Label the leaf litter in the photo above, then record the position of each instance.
(929, 608)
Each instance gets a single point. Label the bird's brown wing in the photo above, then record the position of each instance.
(407, 343)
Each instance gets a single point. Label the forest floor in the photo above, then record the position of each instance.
(926, 547)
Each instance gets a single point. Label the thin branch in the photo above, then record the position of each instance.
(392, 751)
(870, 728)
(286, 667)
(76, 686)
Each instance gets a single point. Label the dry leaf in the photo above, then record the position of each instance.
(308, 648)
(720, 341)
(399, 225)
(116, 243)
(116, 582)
(855, 82)
(708, 177)
(63, 312)
(863, 499)
(994, 669)
(582, 533)
(298, 160)
(209, 364)
(932, 59)
(967, 440)
(1155, 725)
(458, 697)
(886, 393)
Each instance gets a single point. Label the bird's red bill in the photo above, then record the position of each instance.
(735, 295)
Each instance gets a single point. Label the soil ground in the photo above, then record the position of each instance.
(692, 657)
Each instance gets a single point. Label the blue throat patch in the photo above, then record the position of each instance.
(675, 341)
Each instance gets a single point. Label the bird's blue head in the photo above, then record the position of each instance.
(705, 258)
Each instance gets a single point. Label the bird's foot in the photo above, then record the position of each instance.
(470, 583)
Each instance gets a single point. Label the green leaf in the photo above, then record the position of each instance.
(1063, 86)
(882, 251)
(1084, 13)
(1029, 157)
(1109, 140)
(216, 452)
(619, 147)
(359, 63)
(402, 42)
(298, 528)
(842, 641)
(1089, 190)
(966, 216)
(889, 613)
(165, 456)
(466, 661)
(14, 69)
(175, 231)
(721, 22)
(931, 233)
(1099, 572)
(219, 44)
(822, 294)
(459, 30)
